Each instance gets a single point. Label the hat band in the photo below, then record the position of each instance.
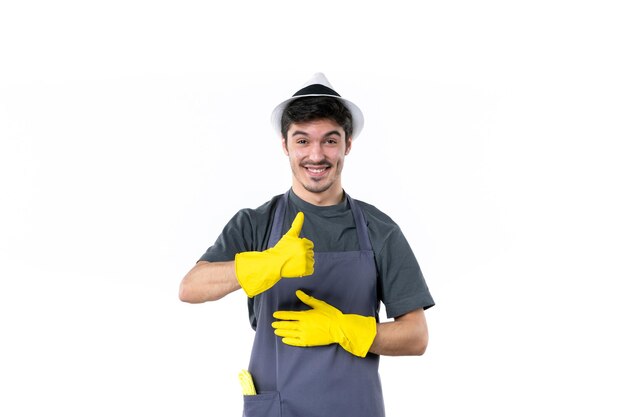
(316, 89)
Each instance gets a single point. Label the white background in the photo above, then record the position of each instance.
(131, 131)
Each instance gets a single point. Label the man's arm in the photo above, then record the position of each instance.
(324, 324)
(406, 335)
(208, 281)
(254, 271)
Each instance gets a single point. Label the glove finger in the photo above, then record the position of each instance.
(292, 334)
(293, 342)
(286, 325)
(287, 315)
(296, 226)
(310, 300)
(310, 264)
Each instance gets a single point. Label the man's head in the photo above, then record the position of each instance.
(308, 109)
(338, 109)
(317, 127)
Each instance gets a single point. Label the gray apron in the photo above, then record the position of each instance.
(322, 381)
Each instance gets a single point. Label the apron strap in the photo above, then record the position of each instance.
(361, 225)
(279, 217)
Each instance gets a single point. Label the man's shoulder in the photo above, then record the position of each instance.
(374, 215)
(262, 212)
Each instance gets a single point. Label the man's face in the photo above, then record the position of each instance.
(316, 152)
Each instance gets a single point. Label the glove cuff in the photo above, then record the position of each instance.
(254, 275)
(359, 332)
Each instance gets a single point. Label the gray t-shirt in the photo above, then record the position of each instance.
(401, 285)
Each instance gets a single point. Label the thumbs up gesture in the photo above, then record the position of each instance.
(295, 251)
(292, 257)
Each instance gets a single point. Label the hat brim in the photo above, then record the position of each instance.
(357, 114)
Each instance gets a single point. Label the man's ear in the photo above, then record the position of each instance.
(348, 145)
(284, 143)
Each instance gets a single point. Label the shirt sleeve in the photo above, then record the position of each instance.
(237, 236)
(401, 282)
(248, 230)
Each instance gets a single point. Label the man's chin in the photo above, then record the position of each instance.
(317, 188)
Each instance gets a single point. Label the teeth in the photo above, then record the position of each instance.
(316, 170)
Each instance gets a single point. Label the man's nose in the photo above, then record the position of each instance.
(316, 153)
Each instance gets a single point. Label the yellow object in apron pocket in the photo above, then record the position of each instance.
(247, 384)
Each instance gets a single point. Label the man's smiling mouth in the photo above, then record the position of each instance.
(316, 170)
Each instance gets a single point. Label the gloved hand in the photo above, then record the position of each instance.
(323, 325)
(291, 257)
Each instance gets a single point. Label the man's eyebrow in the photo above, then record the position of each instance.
(301, 132)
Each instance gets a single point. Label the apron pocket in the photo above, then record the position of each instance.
(265, 404)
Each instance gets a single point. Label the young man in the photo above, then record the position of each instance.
(315, 265)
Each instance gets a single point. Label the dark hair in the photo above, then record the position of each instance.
(307, 109)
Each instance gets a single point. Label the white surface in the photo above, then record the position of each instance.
(130, 132)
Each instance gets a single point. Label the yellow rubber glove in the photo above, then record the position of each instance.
(247, 384)
(291, 257)
(324, 325)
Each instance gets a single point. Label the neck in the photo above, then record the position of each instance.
(330, 197)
